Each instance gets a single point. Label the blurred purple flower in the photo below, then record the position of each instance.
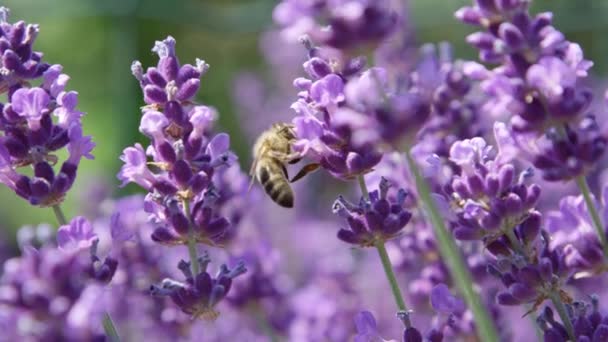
(78, 234)
(349, 23)
(54, 293)
(443, 301)
(572, 231)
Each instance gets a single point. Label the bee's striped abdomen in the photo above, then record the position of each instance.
(270, 175)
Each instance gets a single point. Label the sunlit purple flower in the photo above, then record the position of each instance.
(537, 85)
(31, 138)
(321, 136)
(184, 153)
(488, 196)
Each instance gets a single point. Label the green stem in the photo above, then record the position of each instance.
(387, 265)
(452, 257)
(519, 248)
(390, 276)
(191, 241)
(581, 182)
(595, 217)
(363, 187)
(563, 314)
(263, 323)
(59, 215)
(109, 328)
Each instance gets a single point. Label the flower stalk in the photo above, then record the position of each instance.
(191, 240)
(581, 182)
(563, 314)
(109, 328)
(59, 215)
(108, 325)
(452, 256)
(386, 263)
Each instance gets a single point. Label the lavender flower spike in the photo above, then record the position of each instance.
(19, 63)
(32, 138)
(373, 222)
(320, 136)
(199, 295)
(185, 154)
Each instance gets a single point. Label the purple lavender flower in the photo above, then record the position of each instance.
(443, 301)
(344, 23)
(320, 136)
(136, 314)
(31, 138)
(259, 282)
(490, 198)
(373, 221)
(20, 63)
(199, 295)
(538, 84)
(367, 330)
(589, 325)
(185, 155)
(324, 309)
(54, 293)
(572, 231)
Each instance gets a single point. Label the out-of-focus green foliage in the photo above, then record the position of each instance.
(96, 41)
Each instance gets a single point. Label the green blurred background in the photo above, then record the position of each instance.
(96, 41)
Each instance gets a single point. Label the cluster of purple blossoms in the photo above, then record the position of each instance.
(349, 121)
(37, 121)
(443, 304)
(320, 138)
(341, 24)
(20, 63)
(184, 154)
(183, 200)
(490, 203)
(572, 231)
(198, 296)
(55, 292)
(589, 325)
(538, 85)
(373, 220)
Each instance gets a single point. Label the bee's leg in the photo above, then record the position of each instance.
(305, 170)
(294, 161)
(285, 158)
(285, 171)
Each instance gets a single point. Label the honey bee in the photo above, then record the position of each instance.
(271, 152)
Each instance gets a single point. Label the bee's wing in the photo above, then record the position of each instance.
(254, 164)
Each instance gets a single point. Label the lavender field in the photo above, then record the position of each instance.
(324, 174)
